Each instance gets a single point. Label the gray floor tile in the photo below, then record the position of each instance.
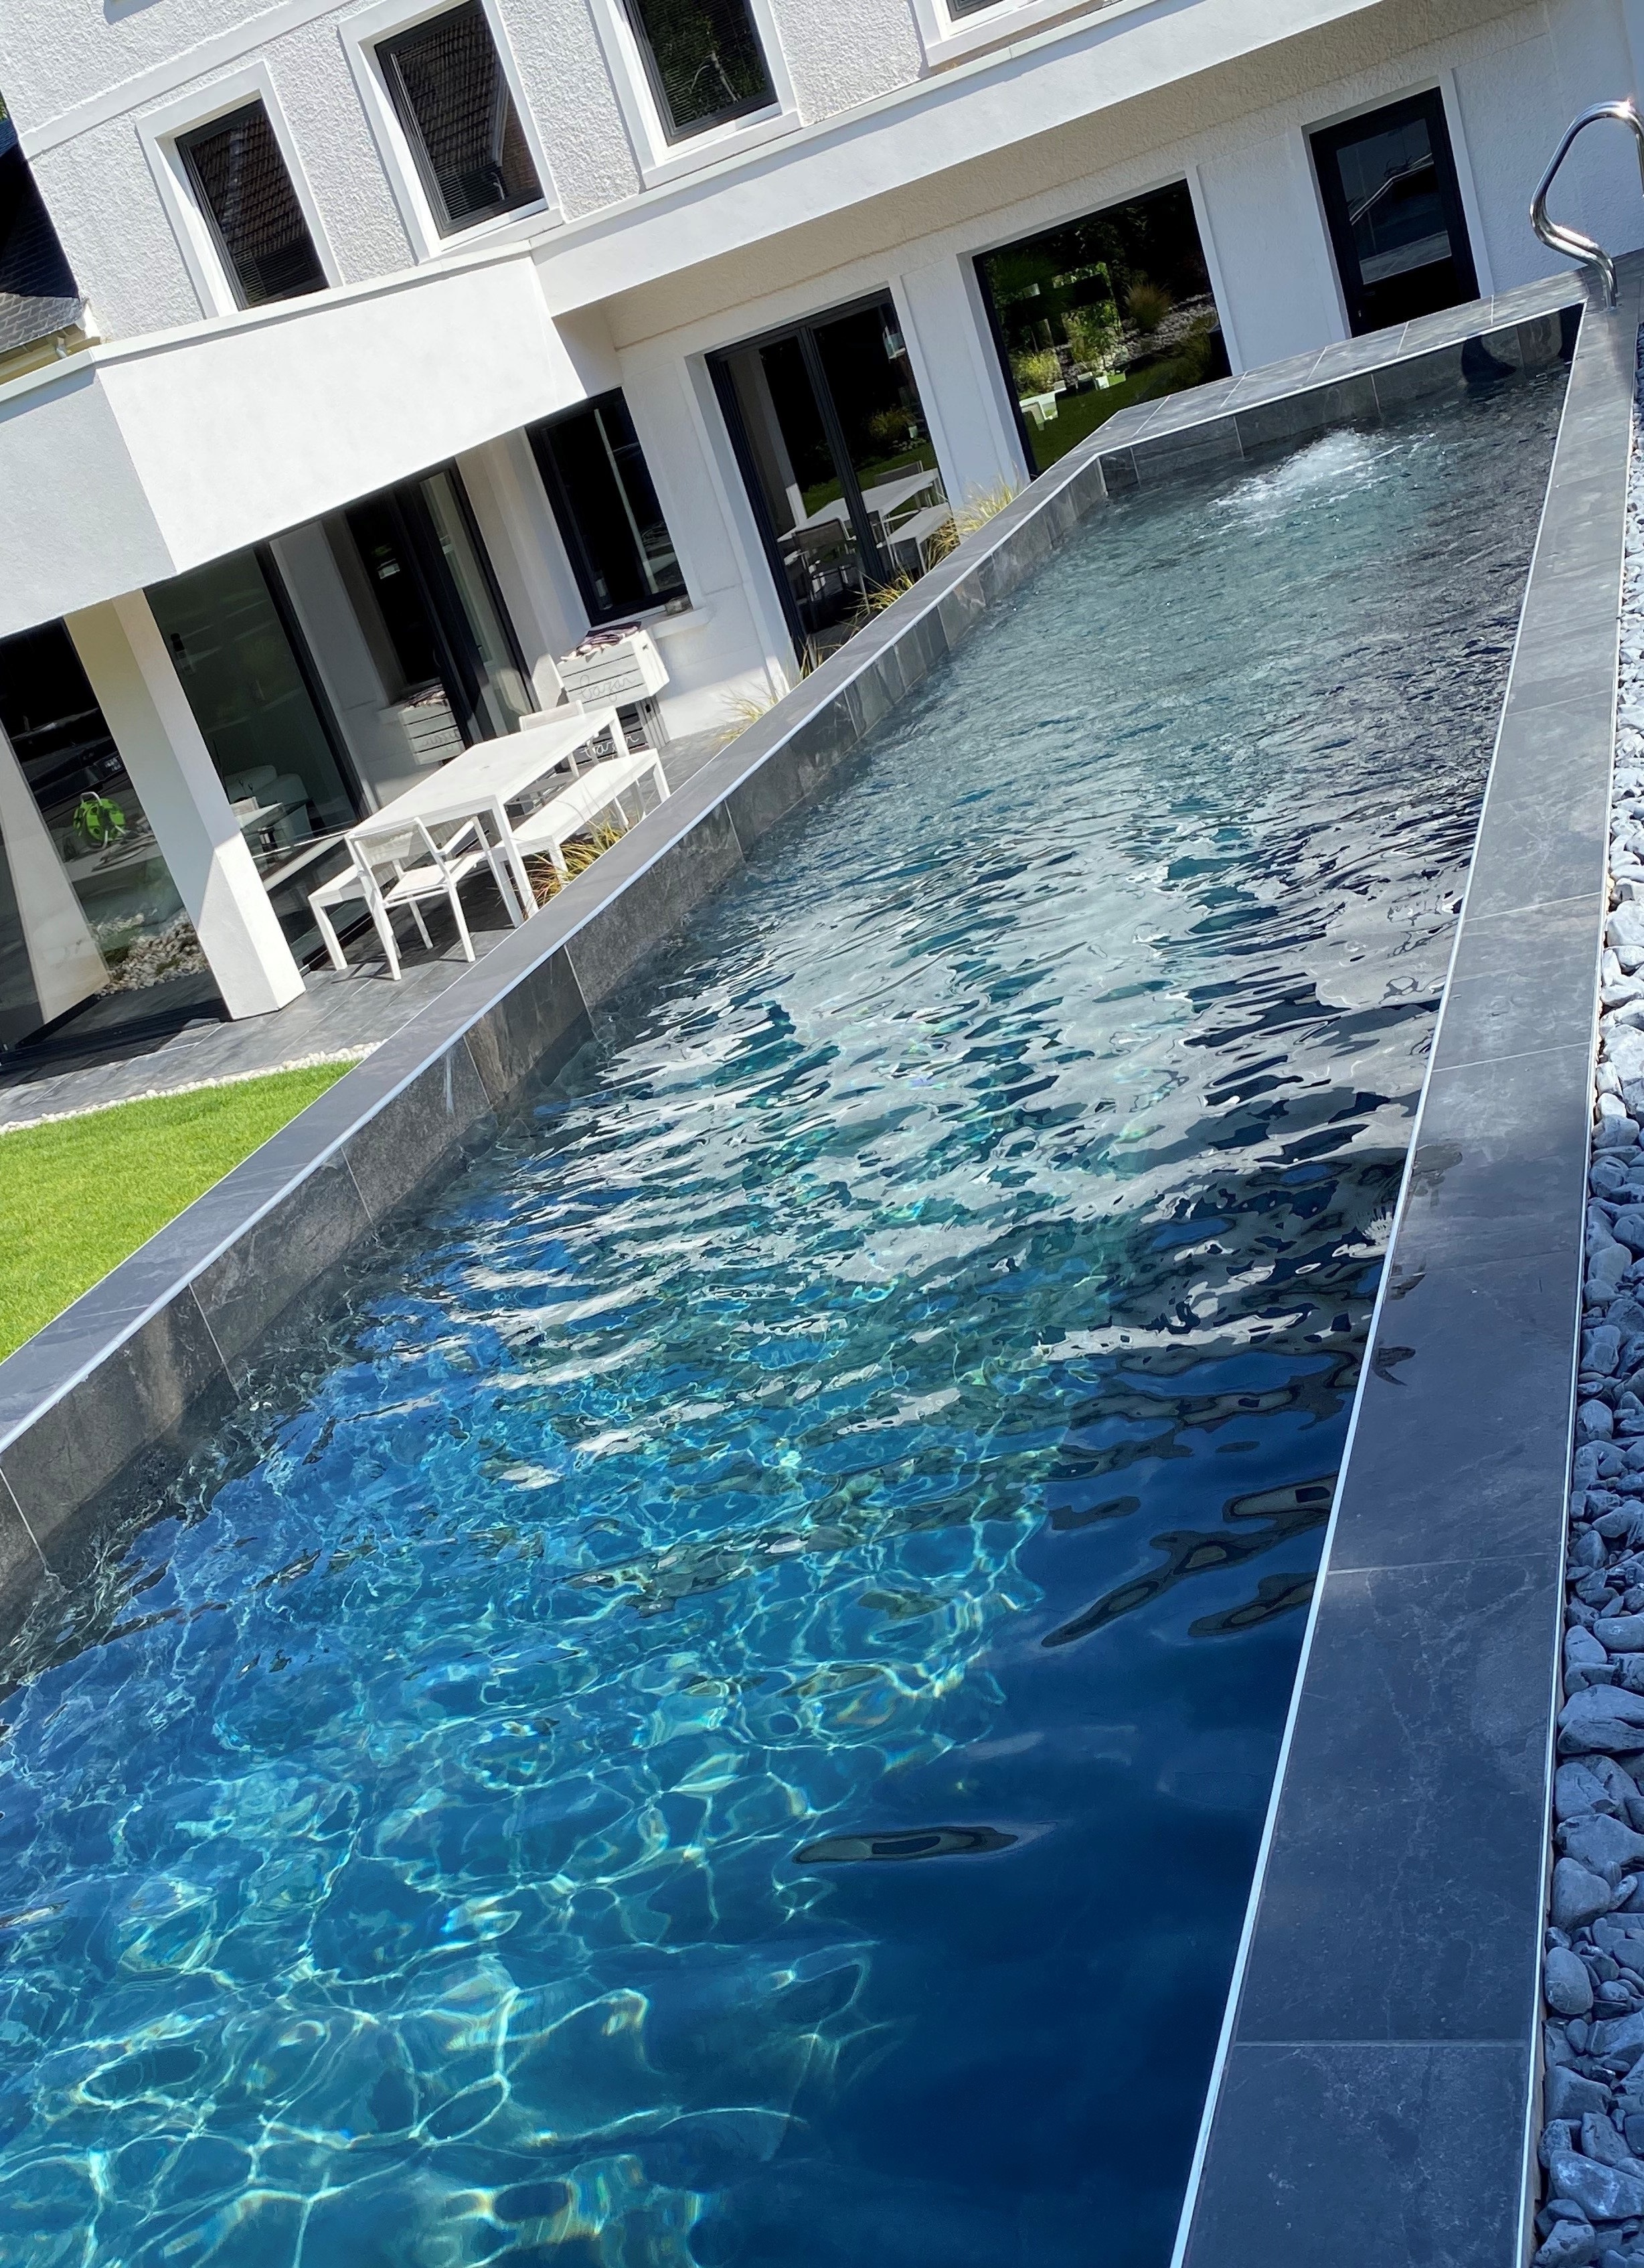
(1402, 1896)
(1463, 1441)
(1501, 1157)
(1518, 986)
(1546, 817)
(1347, 2156)
(1272, 380)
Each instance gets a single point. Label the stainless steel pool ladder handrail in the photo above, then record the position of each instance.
(1570, 241)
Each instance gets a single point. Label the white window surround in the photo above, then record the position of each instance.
(159, 131)
(661, 159)
(361, 34)
(948, 39)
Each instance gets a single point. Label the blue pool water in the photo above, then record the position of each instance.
(724, 1715)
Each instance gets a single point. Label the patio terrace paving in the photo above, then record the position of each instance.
(116, 1059)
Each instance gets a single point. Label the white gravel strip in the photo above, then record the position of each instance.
(191, 1087)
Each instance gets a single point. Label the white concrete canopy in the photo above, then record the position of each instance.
(136, 461)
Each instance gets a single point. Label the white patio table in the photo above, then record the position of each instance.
(883, 499)
(484, 780)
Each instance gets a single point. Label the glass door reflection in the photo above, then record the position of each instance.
(835, 451)
(501, 693)
(448, 645)
(884, 436)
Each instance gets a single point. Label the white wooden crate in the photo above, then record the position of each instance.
(630, 670)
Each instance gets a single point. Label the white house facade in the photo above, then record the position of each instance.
(402, 346)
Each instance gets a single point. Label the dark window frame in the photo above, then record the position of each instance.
(386, 54)
(1323, 143)
(569, 524)
(187, 145)
(725, 389)
(460, 659)
(752, 106)
(996, 323)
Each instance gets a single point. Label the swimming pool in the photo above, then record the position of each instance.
(725, 1716)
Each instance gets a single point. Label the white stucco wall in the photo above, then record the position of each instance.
(325, 404)
(1511, 83)
(82, 77)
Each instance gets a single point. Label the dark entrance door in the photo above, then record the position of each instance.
(1394, 206)
(834, 446)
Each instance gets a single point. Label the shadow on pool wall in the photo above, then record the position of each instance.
(729, 1695)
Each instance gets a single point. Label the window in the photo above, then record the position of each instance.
(239, 176)
(832, 441)
(452, 98)
(1099, 314)
(92, 812)
(703, 61)
(432, 615)
(1394, 206)
(601, 489)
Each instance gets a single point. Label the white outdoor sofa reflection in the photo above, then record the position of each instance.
(458, 822)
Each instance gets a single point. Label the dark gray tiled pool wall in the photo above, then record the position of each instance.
(1171, 442)
(1375, 2096)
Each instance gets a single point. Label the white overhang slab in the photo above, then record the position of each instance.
(139, 460)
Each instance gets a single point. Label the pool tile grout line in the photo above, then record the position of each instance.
(380, 1120)
(1311, 2160)
(22, 1518)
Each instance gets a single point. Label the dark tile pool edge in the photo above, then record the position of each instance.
(1375, 2088)
(118, 1372)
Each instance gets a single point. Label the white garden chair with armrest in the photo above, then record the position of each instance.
(400, 863)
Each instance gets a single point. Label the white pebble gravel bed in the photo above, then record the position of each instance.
(1592, 2137)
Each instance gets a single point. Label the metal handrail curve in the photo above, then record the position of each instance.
(1570, 241)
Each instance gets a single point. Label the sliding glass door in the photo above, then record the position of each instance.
(252, 690)
(834, 446)
(444, 639)
(1100, 313)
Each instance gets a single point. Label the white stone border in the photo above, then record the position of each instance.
(192, 1086)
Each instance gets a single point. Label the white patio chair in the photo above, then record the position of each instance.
(401, 864)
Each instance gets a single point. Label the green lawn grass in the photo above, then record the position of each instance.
(76, 1197)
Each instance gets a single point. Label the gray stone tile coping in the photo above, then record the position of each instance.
(102, 1401)
(1376, 2083)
